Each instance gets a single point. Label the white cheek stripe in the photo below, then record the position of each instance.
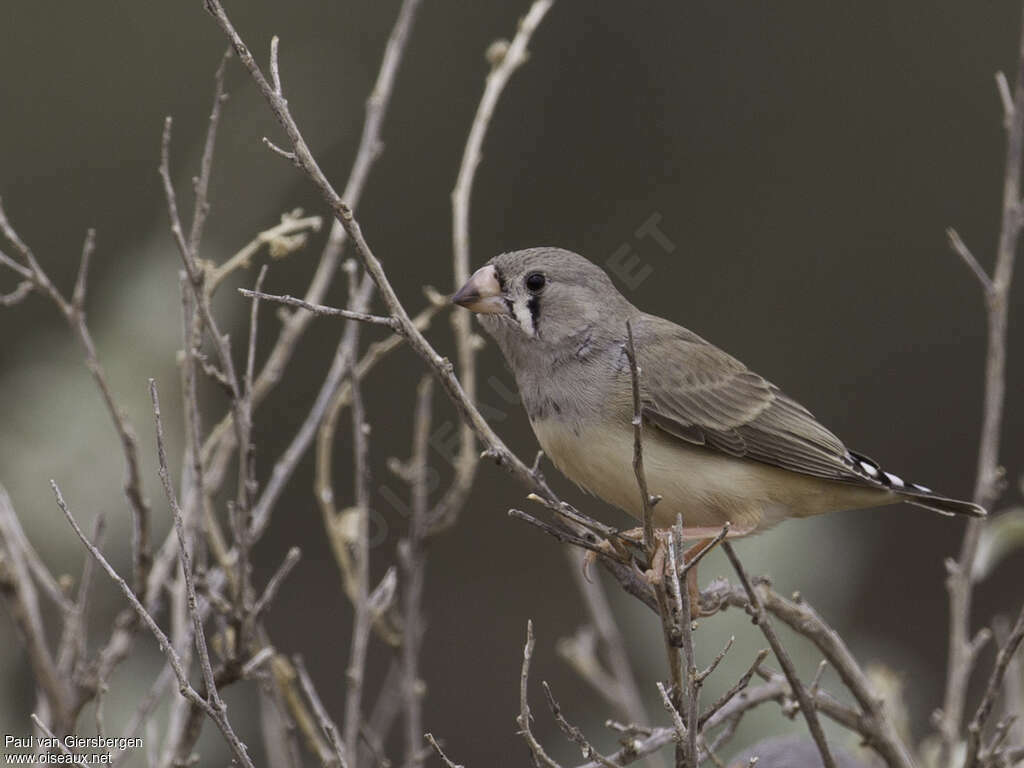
(524, 317)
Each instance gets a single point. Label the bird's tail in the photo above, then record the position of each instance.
(942, 504)
(913, 493)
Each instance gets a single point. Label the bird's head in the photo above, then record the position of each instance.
(542, 296)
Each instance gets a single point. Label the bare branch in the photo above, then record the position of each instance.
(75, 317)
(270, 592)
(186, 562)
(60, 742)
(19, 596)
(574, 734)
(761, 619)
(23, 289)
(466, 342)
(327, 725)
(647, 501)
(440, 752)
(321, 310)
(995, 682)
(219, 716)
(219, 445)
(987, 486)
(960, 248)
(624, 694)
(735, 689)
(78, 296)
(540, 757)
(202, 182)
(362, 620)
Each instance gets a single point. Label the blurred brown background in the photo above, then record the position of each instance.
(802, 158)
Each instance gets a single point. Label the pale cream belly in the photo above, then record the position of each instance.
(707, 488)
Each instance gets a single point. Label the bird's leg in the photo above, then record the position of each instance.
(619, 546)
(697, 550)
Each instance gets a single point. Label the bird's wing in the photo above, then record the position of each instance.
(695, 392)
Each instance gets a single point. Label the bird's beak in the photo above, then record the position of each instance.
(481, 293)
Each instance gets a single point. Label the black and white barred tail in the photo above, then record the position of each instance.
(913, 493)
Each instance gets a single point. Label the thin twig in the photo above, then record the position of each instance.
(413, 557)
(995, 682)
(466, 342)
(574, 734)
(219, 445)
(647, 501)
(327, 725)
(540, 757)
(440, 752)
(202, 182)
(362, 619)
(186, 562)
(219, 716)
(270, 592)
(322, 310)
(19, 596)
(988, 481)
(74, 315)
(761, 619)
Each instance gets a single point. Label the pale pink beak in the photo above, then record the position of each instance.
(481, 293)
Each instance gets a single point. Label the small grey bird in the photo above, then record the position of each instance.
(720, 444)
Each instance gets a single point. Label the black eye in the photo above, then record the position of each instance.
(535, 282)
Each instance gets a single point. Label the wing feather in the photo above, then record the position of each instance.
(697, 393)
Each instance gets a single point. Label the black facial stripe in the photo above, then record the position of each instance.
(500, 278)
(534, 306)
(511, 307)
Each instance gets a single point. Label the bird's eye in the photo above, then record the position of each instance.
(535, 282)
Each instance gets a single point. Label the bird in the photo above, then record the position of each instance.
(721, 444)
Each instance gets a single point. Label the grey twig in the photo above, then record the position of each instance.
(218, 715)
(719, 537)
(992, 689)
(270, 591)
(202, 182)
(987, 489)
(466, 342)
(624, 694)
(362, 619)
(574, 734)
(440, 752)
(186, 561)
(322, 310)
(73, 312)
(874, 724)
(19, 596)
(78, 294)
(690, 694)
(412, 557)
(647, 501)
(219, 446)
(735, 689)
(540, 757)
(50, 735)
(330, 730)
(761, 619)
(960, 248)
